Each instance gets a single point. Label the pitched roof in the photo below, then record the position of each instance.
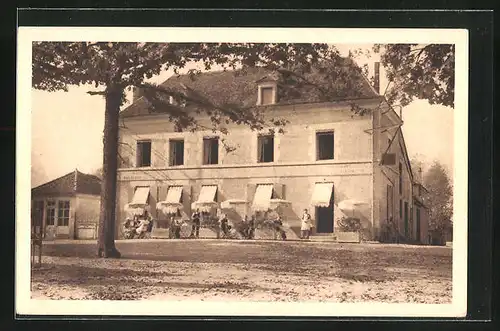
(237, 87)
(70, 184)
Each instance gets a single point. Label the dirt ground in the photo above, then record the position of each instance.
(246, 270)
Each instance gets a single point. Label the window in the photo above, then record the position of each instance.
(266, 95)
(176, 152)
(50, 216)
(144, 153)
(266, 148)
(400, 178)
(401, 208)
(63, 213)
(324, 145)
(210, 150)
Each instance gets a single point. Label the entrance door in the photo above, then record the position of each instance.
(418, 223)
(407, 230)
(62, 218)
(324, 218)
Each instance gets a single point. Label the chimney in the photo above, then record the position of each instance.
(75, 182)
(420, 174)
(376, 77)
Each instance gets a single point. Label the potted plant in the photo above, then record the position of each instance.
(350, 227)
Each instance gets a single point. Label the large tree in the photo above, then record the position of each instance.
(419, 71)
(439, 198)
(113, 68)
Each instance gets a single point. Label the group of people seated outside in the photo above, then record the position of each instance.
(140, 226)
(222, 226)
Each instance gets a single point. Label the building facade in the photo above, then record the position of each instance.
(67, 207)
(326, 154)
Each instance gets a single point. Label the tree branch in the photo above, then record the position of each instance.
(96, 92)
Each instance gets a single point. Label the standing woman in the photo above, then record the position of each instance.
(306, 225)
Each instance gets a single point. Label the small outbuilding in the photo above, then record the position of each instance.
(67, 207)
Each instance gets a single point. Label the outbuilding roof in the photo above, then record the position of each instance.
(69, 184)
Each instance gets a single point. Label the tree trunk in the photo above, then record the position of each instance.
(106, 234)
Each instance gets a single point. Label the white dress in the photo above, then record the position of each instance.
(306, 222)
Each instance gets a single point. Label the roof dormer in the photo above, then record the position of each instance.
(267, 90)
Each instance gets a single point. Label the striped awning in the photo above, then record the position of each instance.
(207, 194)
(206, 199)
(322, 194)
(230, 203)
(276, 203)
(140, 198)
(172, 202)
(262, 197)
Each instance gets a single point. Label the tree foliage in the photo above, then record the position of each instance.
(419, 71)
(439, 198)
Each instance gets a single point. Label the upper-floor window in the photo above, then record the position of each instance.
(211, 150)
(400, 178)
(143, 153)
(266, 95)
(265, 148)
(324, 145)
(63, 213)
(176, 152)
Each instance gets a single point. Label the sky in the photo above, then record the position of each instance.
(67, 127)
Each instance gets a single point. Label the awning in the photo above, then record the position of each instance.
(276, 203)
(140, 198)
(354, 208)
(174, 194)
(322, 194)
(262, 198)
(172, 202)
(207, 194)
(230, 203)
(136, 210)
(206, 199)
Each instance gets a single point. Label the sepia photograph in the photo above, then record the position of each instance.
(215, 171)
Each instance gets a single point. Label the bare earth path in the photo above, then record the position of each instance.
(246, 270)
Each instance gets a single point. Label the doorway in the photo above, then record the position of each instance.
(407, 225)
(324, 218)
(418, 224)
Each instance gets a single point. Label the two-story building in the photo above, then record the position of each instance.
(327, 154)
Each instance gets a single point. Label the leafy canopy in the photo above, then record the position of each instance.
(419, 71)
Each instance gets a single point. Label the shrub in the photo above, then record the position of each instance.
(349, 224)
(388, 232)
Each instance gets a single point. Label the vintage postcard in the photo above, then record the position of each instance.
(242, 171)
